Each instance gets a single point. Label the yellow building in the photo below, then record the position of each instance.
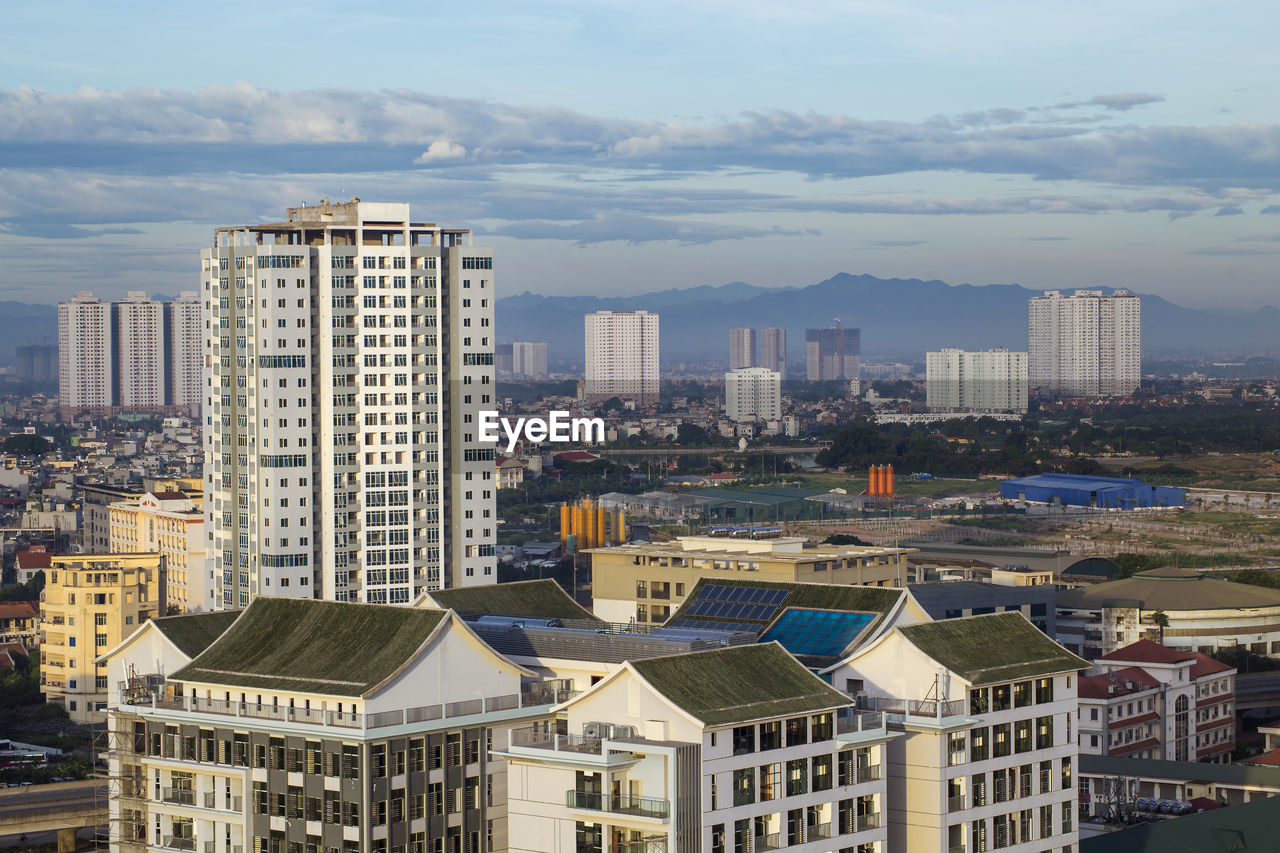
(170, 523)
(89, 604)
(649, 582)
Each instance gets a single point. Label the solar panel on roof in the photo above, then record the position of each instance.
(817, 632)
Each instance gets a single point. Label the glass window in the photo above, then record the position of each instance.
(820, 729)
(821, 772)
(797, 731)
(980, 748)
(771, 735)
(1044, 690)
(744, 740)
(956, 748)
(1000, 699)
(744, 787)
(770, 781)
(979, 700)
(797, 777)
(1022, 694)
(1001, 743)
(1022, 736)
(1044, 732)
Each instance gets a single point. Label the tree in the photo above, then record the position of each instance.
(26, 445)
(1161, 619)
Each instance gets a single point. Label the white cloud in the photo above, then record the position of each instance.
(440, 151)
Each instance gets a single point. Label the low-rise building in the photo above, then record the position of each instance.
(648, 582)
(20, 623)
(320, 725)
(957, 599)
(28, 561)
(738, 749)
(1204, 614)
(1148, 701)
(89, 604)
(985, 708)
(1110, 787)
(172, 524)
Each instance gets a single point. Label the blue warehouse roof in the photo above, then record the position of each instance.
(1085, 490)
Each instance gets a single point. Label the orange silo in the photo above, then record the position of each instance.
(566, 516)
(877, 482)
(871, 481)
(888, 481)
(589, 518)
(601, 538)
(620, 528)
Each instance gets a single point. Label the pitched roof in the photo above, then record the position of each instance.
(536, 599)
(739, 683)
(192, 633)
(1267, 759)
(34, 560)
(19, 610)
(1115, 683)
(990, 648)
(1247, 828)
(808, 596)
(1169, 590)
(1206, 665)
(313, 646)
(1145, 651)
(1186, 771)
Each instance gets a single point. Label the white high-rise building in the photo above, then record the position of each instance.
(185, 332)
(529, 359)
(991, 381)
(86, 352)
(742, 348)
(753, 393)
(622, 356)
(350, 350)
(140, 351)
(773, 350)
(1086, 344)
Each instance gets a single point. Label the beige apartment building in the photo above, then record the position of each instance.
(649, 582)
(89, 604)
(171, 523)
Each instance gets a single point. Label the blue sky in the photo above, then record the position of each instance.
(611, 147)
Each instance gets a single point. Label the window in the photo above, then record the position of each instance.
(744, 740)
(771, 735)
(979, 700)
(1022, 736)
(770, 781)
(1001, 742)
(744, 787)
(1000, 699)
(1022, 694)
(821, 772)
(980, 748)
(1044, 690)
(1044, 732)
(797, 777)
(820, 728)
(797, 731)
(955, 748)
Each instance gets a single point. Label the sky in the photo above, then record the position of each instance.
(617, 148)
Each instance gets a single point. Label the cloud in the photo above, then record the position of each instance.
(1259, 238)
(1038, 239)
(888, 244)
(442, 150)
(639, 229)
(1270, 209)
(1229, 210)
(54, 230)
(1227, 250)
(1124, 101)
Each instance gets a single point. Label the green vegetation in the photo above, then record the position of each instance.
(844, 539)
(29, 591)
(26, 445)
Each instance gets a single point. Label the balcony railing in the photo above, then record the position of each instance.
(913, 707)
(618, 804)
(178, 842)
(178, 796)
(215, 800)
(773, 841)
(535, 695)
(862, 721)
(817, 830)
(653, 844)
(955, 804)
(868, 821)
(869, 773)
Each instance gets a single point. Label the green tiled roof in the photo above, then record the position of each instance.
(740, 683)
(996, 647)
(192, 633)
(540, 599)
(810, 596)
(1259, 775)
(313, 646)
(1247, 828)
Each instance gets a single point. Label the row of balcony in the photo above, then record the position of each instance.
(624, 804)
(208, 799)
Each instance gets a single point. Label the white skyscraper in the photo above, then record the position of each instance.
(1086, 344)
(622, 356)
(754, 392)
(529, 359)
(991, 381)
(773, 350)
(86, 352)
(349, 350)
(185, 332)
(140, 351)
(742, 348)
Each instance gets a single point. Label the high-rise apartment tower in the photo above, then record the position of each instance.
(86, 352)
(773, 350)
(140, 351)
(1085, 345)
(185, 334)
(832, 353)
(529, 359)
(622, 356)
(350, 349)
(742, 348)
(991, 381)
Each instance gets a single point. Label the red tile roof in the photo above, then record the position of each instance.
(170, 496)
(19, 610)
(1100, 686)
(1204, 804)
(1206, 665)
(1145, 651)
(1269, 758)
(34, 560)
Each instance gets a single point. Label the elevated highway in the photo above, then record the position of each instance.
(62, 807)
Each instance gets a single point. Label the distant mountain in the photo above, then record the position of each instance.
(899, 318)
(22, 324)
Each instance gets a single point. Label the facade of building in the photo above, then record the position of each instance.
(89, 604)
(184, 328)
(1085, 345)
(1148, 701)
(37, 362)
(990, 381)
(622, 356)
(171, 524)
(832, 353)
(86, 353)
(956, 599)
(742, 348)
(1111, 787)
(773, 350)
(739, 749)
(358, 728)
(1204, 614)
(350, 349)
(529, 359)
(648, 583)
(141, 380)
(1090, 491)
(984, 709)
(753, 393)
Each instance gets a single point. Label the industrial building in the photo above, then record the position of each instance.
(1100, 492)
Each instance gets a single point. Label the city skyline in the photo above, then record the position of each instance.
(841, 152)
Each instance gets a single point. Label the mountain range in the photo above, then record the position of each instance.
(900, 318)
